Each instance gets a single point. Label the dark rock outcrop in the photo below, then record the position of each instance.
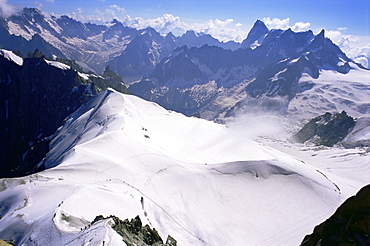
(327, 129)
(35, 99)
(134, 233)
(257, 33)
(349, 225)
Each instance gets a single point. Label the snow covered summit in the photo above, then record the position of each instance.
(196, 180)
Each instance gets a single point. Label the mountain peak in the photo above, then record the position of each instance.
(189, 33)
(319, 39)
(257, 33)
(149, 30)
(115, 21)
(322, 33)
(258, 24)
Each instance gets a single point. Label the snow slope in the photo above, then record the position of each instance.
(333, 92)
(11, 56)
(198, 181)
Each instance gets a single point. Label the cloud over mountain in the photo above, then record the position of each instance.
(7, 9)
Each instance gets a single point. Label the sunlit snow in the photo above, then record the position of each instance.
(11, 56)
(201, 182)
(58, 65)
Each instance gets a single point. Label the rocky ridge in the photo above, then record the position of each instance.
(349, 225)
(37, 95)
(265, 72)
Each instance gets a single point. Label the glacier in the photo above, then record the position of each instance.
(201, 182)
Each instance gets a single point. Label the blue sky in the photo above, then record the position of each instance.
(347, 16)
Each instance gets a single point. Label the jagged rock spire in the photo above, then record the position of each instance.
(258, 31)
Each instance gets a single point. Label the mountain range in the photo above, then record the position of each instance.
(95, 46)
(273, 70)
(270, 73)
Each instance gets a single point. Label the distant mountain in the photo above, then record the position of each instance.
(265, 74)
(132, 53)
(194, 39)
(143, 53)
(149, 47)
(90, 44)
(36, 96)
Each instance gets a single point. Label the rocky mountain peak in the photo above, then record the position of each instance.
(151, 32)
(258, 31)
(319, 39)
(115, 21)
(189, 34)
(30, 13)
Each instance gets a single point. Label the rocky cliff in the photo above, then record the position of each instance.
(36, 96)
(349, 225)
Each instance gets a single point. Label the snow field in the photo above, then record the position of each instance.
(200, 182)
(334, 92)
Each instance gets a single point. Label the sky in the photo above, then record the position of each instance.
(227, 20)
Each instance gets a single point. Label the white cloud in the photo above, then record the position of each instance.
(335, 36)
(222, 30)
(101, 16)
(276, 23)
(118, 8)
(37, 4)
(164, 24)
(301, 26)
(7, 9)
(50, 1)
(355, 47)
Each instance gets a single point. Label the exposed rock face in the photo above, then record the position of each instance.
(27, 42)
(143, 53)
(134, 234)
(349, 225)
(35, 99)
(327, 129)
(132, 53)
(268, 66)
(256, 35)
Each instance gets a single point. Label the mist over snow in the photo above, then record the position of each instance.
(253, 126)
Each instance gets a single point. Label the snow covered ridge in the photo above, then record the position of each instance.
(39, 94)
(187, 177)
(19, 60)
(11, 56)
(59, 65)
